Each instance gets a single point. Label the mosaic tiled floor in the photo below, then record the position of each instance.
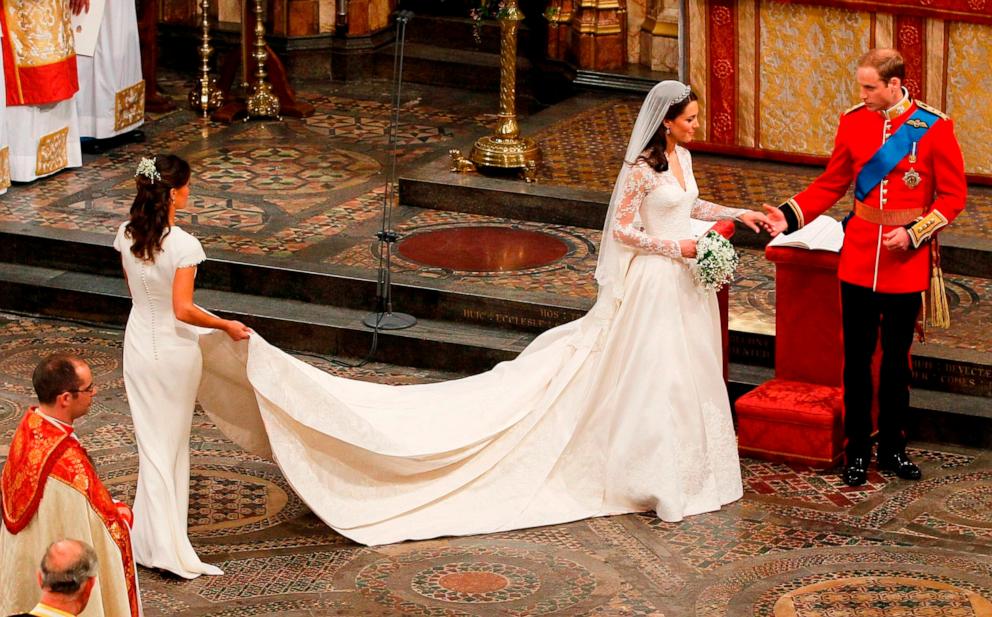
(309, 192)
(800, 543)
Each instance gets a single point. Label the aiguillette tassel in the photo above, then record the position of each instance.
(940, 313)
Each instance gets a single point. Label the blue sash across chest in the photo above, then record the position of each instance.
(892, 151)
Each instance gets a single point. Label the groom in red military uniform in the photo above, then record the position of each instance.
(909, 184)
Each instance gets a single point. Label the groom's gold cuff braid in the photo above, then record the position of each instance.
(793, 215)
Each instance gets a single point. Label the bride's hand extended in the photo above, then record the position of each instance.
(753, 219)
(237, 330)
(688, 248)
(775, 222)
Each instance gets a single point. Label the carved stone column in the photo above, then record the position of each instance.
(659, 36)
(599, 34)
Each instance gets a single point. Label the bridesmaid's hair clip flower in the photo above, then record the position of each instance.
(146, 168)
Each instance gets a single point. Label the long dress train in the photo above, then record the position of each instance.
(624, 410)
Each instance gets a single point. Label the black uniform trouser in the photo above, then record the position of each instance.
(865, 314)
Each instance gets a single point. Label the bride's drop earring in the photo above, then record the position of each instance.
(668, 130)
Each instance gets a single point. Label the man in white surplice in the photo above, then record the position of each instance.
(40, 81)
(111, 97)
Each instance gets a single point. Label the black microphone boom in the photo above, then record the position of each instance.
(384, 318)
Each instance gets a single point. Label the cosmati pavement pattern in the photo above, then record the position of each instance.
(800, 543)
(309, 193)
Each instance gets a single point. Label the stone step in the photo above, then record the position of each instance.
(291, 324)
(443, 66)
(434, 186)
(437, 345)
(55, 257)
(457, 32)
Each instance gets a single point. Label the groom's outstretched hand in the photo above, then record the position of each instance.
(755, 220)
(774, 222)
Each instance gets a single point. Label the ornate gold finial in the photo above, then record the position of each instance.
(262, 103)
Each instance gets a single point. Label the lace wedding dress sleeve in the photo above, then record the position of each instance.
(639, 184)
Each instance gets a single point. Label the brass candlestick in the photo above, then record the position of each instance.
(205, 95)
(505, 148)
(261, 103)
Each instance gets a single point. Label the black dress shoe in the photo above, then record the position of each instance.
(856, 472)
(900, 464)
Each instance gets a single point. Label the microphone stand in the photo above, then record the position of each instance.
(384, 318)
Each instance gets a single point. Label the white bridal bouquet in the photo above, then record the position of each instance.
(716, 261)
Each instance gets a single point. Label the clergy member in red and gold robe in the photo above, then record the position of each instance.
(50, 491)
(41, 79)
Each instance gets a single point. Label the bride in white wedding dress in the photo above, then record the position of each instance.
(624, 410)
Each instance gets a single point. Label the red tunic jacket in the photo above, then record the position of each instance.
(937, 199)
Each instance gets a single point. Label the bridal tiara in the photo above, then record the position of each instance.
(683, 96)
(146, 168)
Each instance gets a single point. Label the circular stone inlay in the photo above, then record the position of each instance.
(473, 582)
(476, 582)
(483, 249)
(23, 362)
(974, 504)
(223, 501)
(881, 595)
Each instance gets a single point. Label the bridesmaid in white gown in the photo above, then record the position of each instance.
(624, 410)
(162, 361)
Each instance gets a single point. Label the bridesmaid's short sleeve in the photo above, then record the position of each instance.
(190, 252)
(120, 241)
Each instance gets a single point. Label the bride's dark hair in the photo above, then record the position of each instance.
(655, 152)
(149, 223)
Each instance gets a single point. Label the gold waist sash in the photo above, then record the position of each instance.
(885, 217)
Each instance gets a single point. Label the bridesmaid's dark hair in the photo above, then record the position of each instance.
(655, 156)
(149, 223)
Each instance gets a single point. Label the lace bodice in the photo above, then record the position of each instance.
(654, 210)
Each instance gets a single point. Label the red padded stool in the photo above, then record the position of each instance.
(792, 422)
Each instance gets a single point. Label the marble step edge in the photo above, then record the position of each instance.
(434, 187)
(934, 416)
(291, 324)
(302, 326)
(92, 253)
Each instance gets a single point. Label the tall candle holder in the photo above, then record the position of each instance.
(205, 95)
(506, 148)
(261, 103)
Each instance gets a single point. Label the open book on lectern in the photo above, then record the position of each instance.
(822, 234)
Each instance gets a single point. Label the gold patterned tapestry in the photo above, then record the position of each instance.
(39, 57)
(807, 62)
(969, 96)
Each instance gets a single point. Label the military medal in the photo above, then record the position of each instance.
(912, 177)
